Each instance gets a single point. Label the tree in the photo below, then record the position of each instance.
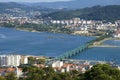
(102, 72)
(33, 73)
(65, 76)
(2, 78)
(11, 76)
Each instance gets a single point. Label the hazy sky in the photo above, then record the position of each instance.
(31, 0)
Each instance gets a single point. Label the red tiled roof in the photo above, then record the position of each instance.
(118, 31)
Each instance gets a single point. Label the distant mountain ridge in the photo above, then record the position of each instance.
(76, 4)
(14, 7)
(109, 13)
(10, 4)
(6, 7)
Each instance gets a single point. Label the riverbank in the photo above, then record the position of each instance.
(108, 46)
(37, 27)
(28, 30)
(44, 28)
(100, 43)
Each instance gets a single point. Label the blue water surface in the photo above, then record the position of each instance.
(38, 43)
(54, 45)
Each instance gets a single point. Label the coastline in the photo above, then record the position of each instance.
(107, 46)
(50, 31)
(33, 30)
(27, 30)
(100, 43)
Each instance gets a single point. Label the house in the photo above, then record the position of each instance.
(117, 33)
(5, 70)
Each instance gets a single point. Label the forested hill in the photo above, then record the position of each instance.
(75, 4)
(21, 9)
(108, 13)
(6, 7)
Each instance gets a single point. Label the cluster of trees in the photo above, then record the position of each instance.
(108, 13)
(38, 27)
(102, 72)
(34, 73)
(97, 72)
(9, 76)
(104, 36)
(32, 60)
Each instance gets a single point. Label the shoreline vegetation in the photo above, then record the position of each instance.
(100, 43)
(38, 27)
(28, 30)
(53, 28)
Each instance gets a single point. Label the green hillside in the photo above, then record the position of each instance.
(108, 13)
(16, 9)
(4, 7)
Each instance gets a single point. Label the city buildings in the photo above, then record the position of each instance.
(76, 25)
(57, 64)
(4, 71)
(68, 65)
(12, 60)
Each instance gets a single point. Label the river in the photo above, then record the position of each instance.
(38, 43)
(52, 44)
(102, 53)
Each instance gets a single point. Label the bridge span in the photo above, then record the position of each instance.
(74, 52)
(80, 49)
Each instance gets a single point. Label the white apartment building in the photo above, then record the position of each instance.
(57, 64)
(12, 60)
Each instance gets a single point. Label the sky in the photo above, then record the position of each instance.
(31, 0)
